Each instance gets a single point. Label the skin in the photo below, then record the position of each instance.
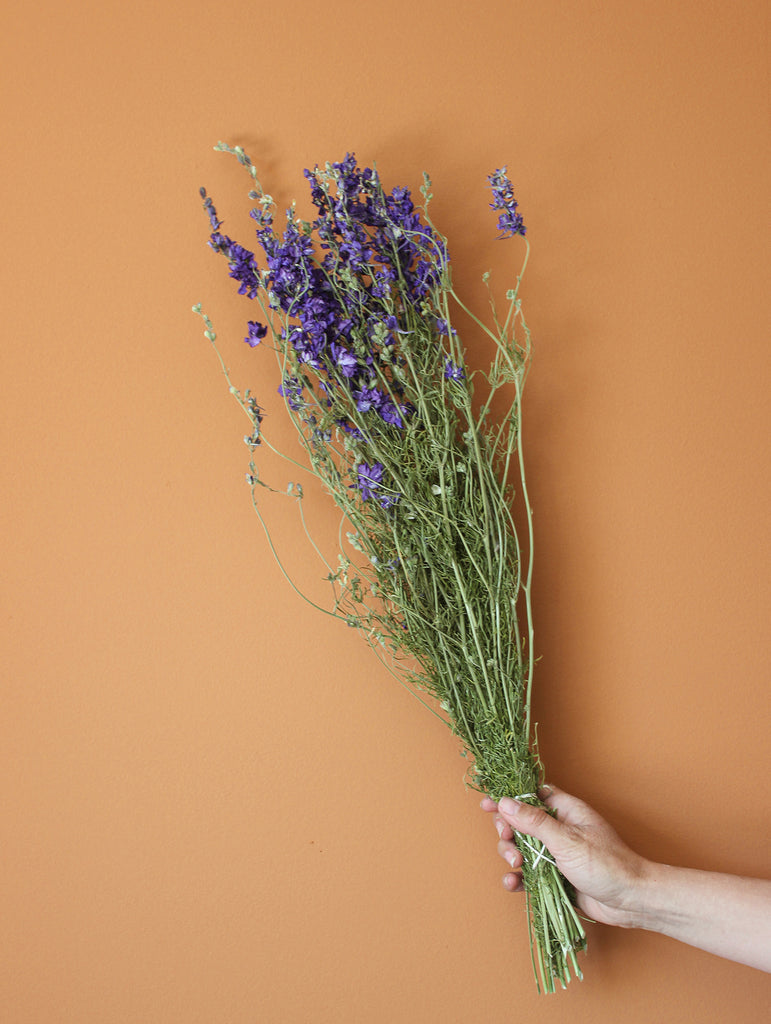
(727, 915)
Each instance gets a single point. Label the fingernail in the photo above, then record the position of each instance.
(499, 826)
(544, 791)
(509, 805)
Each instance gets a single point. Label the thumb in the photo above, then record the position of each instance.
(534, 821)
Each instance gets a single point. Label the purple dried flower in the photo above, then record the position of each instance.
(509, 222)
(444, 328)
(346, 361)
(389, 500)
(367, 398)
(368, 479)
(256, 333)
(453, 372)
(391, 413)
(242, 265)
(208, 205)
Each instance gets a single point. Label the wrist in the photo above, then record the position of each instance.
(654, 904)
(645, 901)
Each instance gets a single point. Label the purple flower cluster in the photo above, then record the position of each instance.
(346, 286)
(346, 306)
(376, 235)
(390, 260)
(509, 221)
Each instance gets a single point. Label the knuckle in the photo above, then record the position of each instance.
(529, 815)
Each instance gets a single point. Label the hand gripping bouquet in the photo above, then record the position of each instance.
(359, 308)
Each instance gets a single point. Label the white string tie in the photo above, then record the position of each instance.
(539, 854)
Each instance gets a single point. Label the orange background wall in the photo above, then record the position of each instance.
(216, 807)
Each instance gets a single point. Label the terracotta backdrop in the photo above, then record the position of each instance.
(216, 807)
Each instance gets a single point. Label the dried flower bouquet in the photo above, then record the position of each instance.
(359, 306)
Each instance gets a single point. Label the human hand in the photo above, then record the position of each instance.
(605, 873)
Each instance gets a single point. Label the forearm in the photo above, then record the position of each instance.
(722, 914)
